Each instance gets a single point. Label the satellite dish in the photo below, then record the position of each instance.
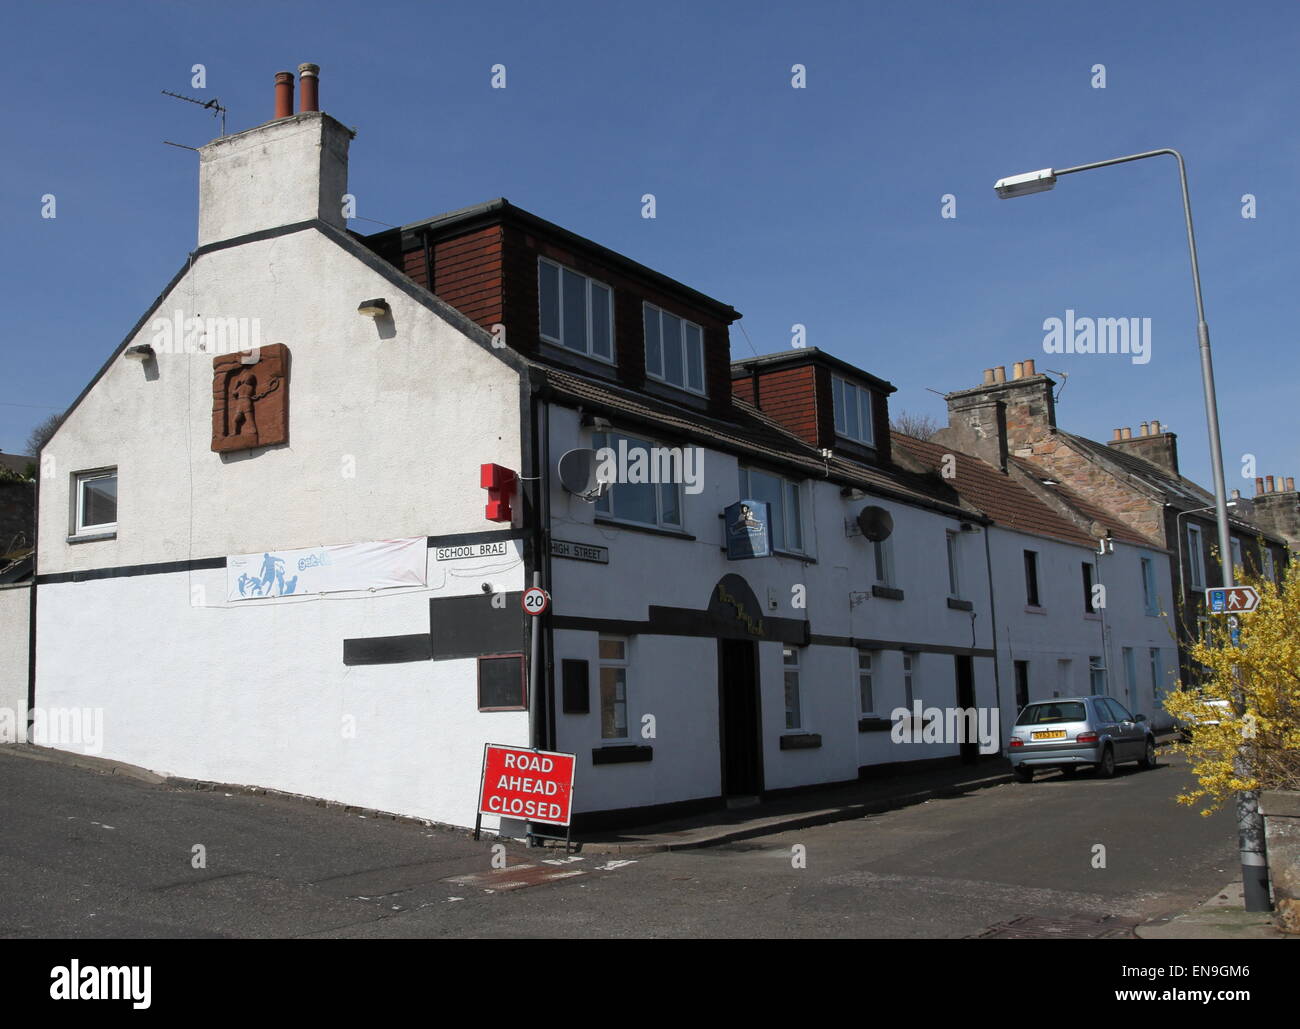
(876, 523)
(579, 474)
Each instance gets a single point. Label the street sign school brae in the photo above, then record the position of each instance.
(532, 784)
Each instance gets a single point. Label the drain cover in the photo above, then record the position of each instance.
(1031, 927)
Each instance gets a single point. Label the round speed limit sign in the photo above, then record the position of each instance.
(536, 600)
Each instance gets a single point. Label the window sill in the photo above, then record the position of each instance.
(621, 754)
(960, 605)
(873, 723)
(684, 391)
(550, 346)
(886, 592)
(797, 739)
(793, 555)
(1031, 609)
(1092, 616)
(93, 537)
(637, 527)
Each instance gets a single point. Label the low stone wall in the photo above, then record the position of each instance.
(14, 619)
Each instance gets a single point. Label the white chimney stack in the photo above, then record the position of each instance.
(291, 169)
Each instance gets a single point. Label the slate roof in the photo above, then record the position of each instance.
(1178, 492)
(995, 493)
(750, 434)
(1118, 529)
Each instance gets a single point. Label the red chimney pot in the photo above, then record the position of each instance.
(283, 94)
(309, 79)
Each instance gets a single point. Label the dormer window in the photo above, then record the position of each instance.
(674, 350)
(853, 415)
(575, 312)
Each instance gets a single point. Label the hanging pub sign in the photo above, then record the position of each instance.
(747, 527)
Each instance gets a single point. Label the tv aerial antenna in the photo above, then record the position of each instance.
(213, 105)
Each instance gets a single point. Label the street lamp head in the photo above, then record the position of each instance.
(1030, 182)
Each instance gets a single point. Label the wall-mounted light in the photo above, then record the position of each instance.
(595, 421)
(143, 352)
(377, 308)
(852, 493)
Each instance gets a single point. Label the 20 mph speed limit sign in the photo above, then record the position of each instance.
(536, 600)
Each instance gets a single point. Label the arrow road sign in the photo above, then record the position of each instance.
(1232, 600)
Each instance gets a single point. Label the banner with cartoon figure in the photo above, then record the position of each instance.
(381, 565)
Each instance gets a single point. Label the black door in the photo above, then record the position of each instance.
(740, 724)
(1022, 685)
(970, 749)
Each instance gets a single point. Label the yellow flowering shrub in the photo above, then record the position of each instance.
(1256, 743)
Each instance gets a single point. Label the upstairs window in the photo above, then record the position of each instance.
(1031, 579)
(853, 416)
(782, 497)
(674, 350)
(1195, 557)
(954, 577)
(1088, 606)
(884, 553)
(657, 504)
(575, 312)
(96, 500)
(1150, 599)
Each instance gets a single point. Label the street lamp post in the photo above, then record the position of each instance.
(1250, 826)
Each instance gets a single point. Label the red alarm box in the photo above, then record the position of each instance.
(500, 484)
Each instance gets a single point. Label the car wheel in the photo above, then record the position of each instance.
(1106, 767)
(1149, 758)
(1024, 773)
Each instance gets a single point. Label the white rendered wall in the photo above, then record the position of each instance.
(256, 692)
(1063, 631)
(386, 436)
(676, 679)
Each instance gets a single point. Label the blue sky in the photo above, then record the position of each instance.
(819, 206)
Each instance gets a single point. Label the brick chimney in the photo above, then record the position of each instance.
(1151, 444)
(293, 168)
(1277, 508)
(1001, 416)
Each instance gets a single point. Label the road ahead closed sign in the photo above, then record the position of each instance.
(536, 785)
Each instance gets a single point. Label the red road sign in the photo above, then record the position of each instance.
(535, 600)
(536, 785)
(1223, 600)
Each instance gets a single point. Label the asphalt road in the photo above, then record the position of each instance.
(88, 855)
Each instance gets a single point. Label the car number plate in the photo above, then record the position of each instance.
(1049, 734)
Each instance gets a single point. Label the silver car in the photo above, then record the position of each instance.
(1073, 731)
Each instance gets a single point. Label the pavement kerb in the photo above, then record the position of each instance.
(105, 766)
(703, 837)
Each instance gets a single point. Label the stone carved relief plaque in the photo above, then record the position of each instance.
(250, 398)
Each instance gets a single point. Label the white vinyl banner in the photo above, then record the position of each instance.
(380, 565)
